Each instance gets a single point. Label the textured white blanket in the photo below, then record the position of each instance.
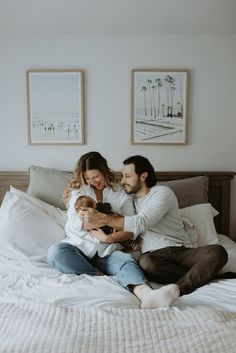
(46, 328)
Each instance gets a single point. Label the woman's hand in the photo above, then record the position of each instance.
(100, 235)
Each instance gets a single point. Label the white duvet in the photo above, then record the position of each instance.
(45, 311)
(45, 328)
(38, 282)
(28, 226)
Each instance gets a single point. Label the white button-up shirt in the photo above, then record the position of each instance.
(120, 203)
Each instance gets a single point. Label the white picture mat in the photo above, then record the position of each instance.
(55, 106)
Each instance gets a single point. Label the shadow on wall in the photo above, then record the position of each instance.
(233, 210)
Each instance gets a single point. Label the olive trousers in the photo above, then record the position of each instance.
(189, 268)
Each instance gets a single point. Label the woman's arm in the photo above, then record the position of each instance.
(114, 237)
(73, 220)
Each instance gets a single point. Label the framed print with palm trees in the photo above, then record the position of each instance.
(55, 106)
(159, 106)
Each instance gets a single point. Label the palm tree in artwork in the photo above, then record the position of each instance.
(172, 90)
(153, 100)
(150, 94)
(159, 85)
(163, 109)
(181, 97)
(144, 90)
(169, 80)
(167, 94)
(179, 109)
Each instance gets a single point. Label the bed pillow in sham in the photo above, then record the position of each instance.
(201, 216)
(190, 191)
(55, 213)
(26, 231)
(48, 184)
(230, 247)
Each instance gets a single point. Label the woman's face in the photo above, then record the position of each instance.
(95, 179)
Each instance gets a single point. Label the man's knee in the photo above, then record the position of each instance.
(221, 254)
(218, 253)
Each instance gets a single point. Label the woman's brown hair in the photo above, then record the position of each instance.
(89, 161)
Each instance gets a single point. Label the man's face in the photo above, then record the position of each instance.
(130, 180)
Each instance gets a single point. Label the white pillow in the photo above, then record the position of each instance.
(27, 229)
(201, 216)
(53, 212)
(230, 247)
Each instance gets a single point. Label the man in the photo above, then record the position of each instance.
(167, 254)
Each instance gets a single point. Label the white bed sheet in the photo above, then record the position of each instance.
(38, 282)
(28, 280)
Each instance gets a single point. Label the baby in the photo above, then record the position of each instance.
(87, 201)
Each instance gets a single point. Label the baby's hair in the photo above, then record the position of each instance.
(80, 202)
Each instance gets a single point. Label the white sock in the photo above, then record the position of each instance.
(156, 298)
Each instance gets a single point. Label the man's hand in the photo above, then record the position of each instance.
(91, 218)
(100, 235)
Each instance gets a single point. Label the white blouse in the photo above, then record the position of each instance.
(120, 203)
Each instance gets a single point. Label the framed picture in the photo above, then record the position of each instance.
(159, 106)
(55, 106)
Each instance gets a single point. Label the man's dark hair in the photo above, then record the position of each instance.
(142, 165)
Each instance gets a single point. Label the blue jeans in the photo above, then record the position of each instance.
(69, 259)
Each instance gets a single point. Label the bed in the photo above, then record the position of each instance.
(44, 311)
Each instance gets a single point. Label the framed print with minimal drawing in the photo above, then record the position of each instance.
(55, 106)
(159, 106)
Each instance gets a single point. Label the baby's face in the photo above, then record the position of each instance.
(85, 201)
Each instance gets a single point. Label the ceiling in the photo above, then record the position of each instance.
(118, 16)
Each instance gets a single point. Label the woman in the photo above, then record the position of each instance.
(81, 251)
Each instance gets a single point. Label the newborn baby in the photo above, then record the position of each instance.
(87, 201)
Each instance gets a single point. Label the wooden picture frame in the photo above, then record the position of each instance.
(55, 106)
(159, 106)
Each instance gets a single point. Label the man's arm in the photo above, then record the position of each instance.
(151, 213)
(114, 237)
(156, 206)
(91, 219)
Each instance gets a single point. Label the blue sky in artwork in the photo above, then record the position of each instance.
(55, 95)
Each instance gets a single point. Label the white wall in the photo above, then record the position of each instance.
(107, 61)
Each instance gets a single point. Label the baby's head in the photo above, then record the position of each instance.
(84, 201)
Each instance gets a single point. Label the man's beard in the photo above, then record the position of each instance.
(133, 189)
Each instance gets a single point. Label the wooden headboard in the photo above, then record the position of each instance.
(218, 193)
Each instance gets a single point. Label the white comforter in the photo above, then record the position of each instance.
(38, 282)
(45, 328)
(44, 311)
